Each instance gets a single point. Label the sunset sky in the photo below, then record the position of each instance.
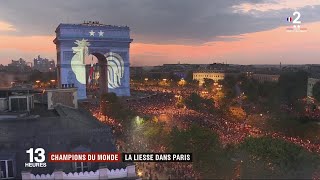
(169, 31)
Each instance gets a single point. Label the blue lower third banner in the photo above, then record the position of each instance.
(157, 157)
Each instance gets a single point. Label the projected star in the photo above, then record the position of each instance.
(91, 33)
(100, 33)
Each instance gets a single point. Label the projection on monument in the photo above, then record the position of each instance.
(115, 64)
(80, 52)
(110, 44)
(115, 69)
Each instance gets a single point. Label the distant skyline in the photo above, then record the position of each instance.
(189, 31)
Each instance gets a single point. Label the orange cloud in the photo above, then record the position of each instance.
(6, 27)
(28, 43)
(247, 48)
(260, 47)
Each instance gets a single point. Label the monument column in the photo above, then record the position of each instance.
(103, 77)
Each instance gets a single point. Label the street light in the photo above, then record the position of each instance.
(37, 81)
(182, 82)
(139, 120)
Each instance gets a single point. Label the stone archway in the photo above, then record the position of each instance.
(103, 75)
(110, 44)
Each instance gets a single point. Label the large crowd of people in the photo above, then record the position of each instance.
(162, 102)
(228, 130)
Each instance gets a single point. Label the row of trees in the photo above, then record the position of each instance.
(291, 87)
(112, 107)
(42, 76)
(316, 91)
(209, 158)
(196, 102)
(284, 99)
(256, 157)
(274, 158)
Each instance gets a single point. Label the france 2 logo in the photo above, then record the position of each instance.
(36, 157)
(296, 23)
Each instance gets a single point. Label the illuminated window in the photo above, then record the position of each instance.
(81, 166)
(6, 169)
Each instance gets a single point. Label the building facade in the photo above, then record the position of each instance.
(103, 173)
(207, 74)
(265, 78)
(19, 65)
(67, 96)
(63, 129)
(43, 64)
(311, 83)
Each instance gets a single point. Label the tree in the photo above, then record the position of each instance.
(228, 88)
(182, 82)
(208, 84)
(193, 101)
(274, 158)
(189, 76)
(238, 112)
(155, 133)
(111, 106)
(196, 102)
(193, 83)
(110, 97)
(293, 86)
(180, 102)
(208, 156)
(42, 76)
(316, 91)
(173, 77)
(218, 96)
(250, 88)
(164, 82)
(107, 103)
(293, 126)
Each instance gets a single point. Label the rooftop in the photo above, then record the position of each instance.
(61, 130)
(92, 25)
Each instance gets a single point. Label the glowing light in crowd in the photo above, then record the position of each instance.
(139, 120)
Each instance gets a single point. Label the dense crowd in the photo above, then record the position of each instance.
(162, 102)
(228, 130)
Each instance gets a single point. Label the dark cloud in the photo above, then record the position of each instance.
(160, 21)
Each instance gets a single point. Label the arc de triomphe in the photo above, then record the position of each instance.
(110, 44)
